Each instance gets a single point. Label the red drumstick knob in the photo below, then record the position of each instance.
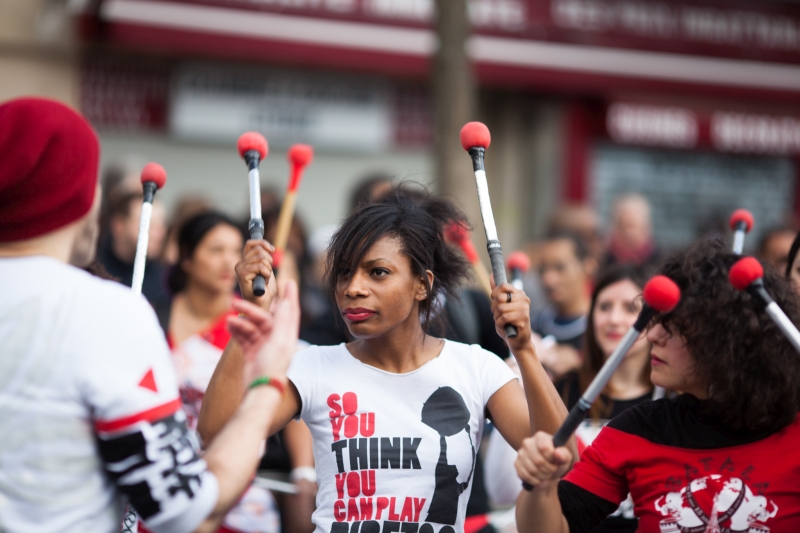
(475, 135)
(252, 141)
(662, 294)
(154, 173)
(744, 272)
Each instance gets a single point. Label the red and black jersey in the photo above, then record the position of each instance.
(687, 473)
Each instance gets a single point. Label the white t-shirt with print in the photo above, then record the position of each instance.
(395, 452)
(89, 408)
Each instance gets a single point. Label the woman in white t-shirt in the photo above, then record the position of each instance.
(396, 415)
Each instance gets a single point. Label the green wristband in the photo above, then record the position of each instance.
(263, 380)
(266, 380)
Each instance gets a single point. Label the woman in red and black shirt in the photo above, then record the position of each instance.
(721, 456)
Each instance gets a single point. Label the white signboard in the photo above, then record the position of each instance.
(333, 112)
(741, 132)
(674, 127)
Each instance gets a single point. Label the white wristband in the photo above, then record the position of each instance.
(308, 473)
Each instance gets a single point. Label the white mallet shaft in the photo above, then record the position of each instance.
(254, 179)
(252, 147)
(141, 247)
(738, 241)
(747, 274)
(153, 178)
(786, 326)
(741, 223)
(475, 139)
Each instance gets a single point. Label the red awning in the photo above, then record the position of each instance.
(522, 44)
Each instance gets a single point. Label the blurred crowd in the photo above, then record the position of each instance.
(584, 285)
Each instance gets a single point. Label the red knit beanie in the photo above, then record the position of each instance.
(48, 167)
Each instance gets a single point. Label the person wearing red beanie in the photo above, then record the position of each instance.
(48, 180)
(88, 394)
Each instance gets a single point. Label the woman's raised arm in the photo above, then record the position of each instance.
(545, 411)
(227, 387)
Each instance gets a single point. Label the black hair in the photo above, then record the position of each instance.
(363, 193)
(579, 245)
(121, 205)
(190, 236)
(751, 369)
(792, 256)
(419, 225)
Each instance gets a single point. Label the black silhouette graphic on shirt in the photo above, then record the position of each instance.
(446, 413)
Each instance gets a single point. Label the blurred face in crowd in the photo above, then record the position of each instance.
(673, 366)
(85, 245)
(563, 274)
(125, 231)
(583, 220)
(775, 250)
(211, 266)
(615, 311)
(794, 274)
(382, 293)
(632, 226)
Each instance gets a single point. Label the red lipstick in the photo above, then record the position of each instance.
(357, 314)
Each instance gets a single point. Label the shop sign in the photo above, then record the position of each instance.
(686, 128)
(694, 27)
(672, 127)
(750, 133)
(688, 23)
(345, 113)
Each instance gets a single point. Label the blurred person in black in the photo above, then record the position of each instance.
(631, 240)
(774, 246)
(616, 302)
(117, 246)
(566, 271)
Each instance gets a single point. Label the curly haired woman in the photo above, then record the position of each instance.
(721, 456)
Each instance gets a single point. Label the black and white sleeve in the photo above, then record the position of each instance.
(157, 466)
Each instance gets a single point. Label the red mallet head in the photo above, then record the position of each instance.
(662, 294)
(742, 215)
(155, 173)
(300, 155)
(519, 261)
(475, 135)
(459, 235)
(456, 233)
(252, 141)
(744, 272)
